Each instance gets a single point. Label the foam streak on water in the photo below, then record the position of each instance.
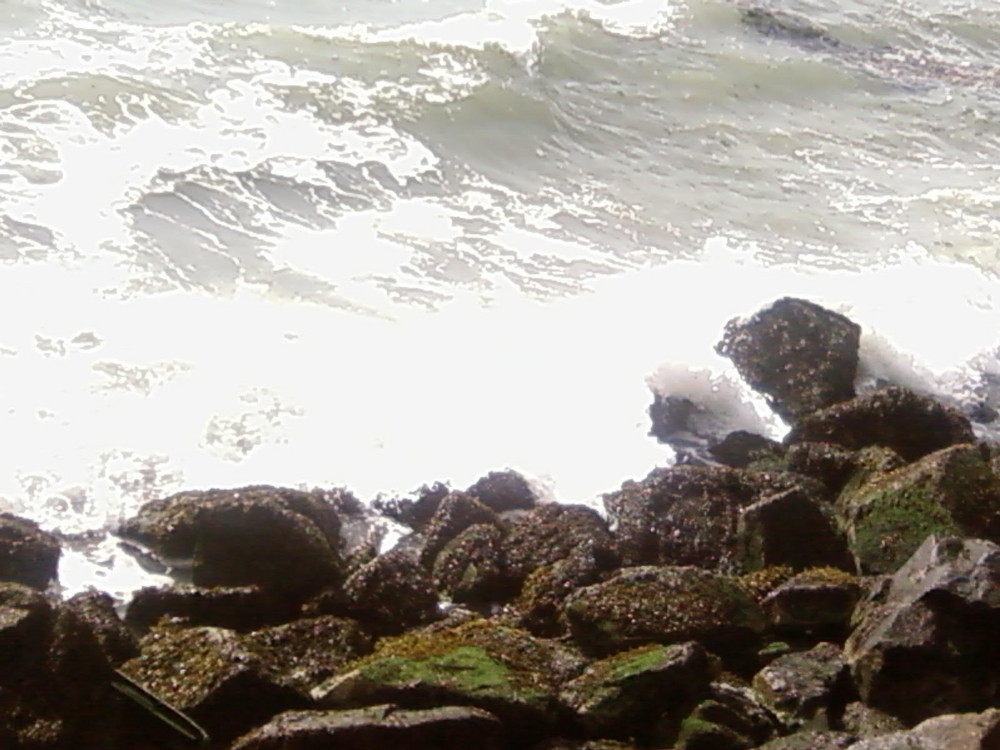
(378, 245)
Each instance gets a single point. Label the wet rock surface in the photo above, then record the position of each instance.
(841, 590)
(801, 356)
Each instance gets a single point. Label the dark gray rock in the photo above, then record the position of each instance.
(815, 602)
(545, 590)
(928, 647)
(740, 449)
(28, 555)
(455, 513)
(388, 595)
(831, 464)
(385, 726)
(893, 417)
(801, 356)
(240, 608)
(97, 610)
(504, 491)
(968, 731)
(649, 604)
(731, 717)
(472, 567)
(790, 528)
(808, 689)
(281, 540)
(211, 675)
(622, 696)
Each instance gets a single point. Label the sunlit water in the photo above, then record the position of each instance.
(378, 244)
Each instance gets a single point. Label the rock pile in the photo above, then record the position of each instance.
(838, 590)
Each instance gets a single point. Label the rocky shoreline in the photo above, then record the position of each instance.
(840, 589)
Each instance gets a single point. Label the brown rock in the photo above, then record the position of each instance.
(28, 555)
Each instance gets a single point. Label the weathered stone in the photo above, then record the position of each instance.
(279, 539)
(212, 676)
(472, 567)
(949, 492)
(969, 731)
(240, 608)
(384, 726)
(808, 689)
(811, 740)
(790, 528)
(28, 555)
(930, 648)
(543, 592)
(388, 595)
(816, 601)
(503, 491)
(308, 651)
(554, 532)
(664, 605)
(455, 514)
(564, 744)
(688, 515)
(97, 609)
(893, 417)
(669, 416)
(414, 512)
(623, 695)
(867, 721)
(504, 671)
(831, 464)
(730, 718)
(801, 356)
(740, 449)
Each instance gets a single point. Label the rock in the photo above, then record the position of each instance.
(543, 592)
(413, 512)
(28, 555)
(790, 528)
(929, 646)
(966, 731)
(454, 514)
(240, 608)
(554, 532)
(505, 671)
(811, 740)
(622, 696)
(730, 718)
(388, 595)
(740, 449)
(688, 515)
(564, 744)
(808, 689)
(817, 601)
(651, 604)
(830, 464)
(801, 356)
(212, 676)
(385, 726)
(308, 651)
(670, 416)
(866, 721)
(97, 610)
(472, 567)
(950, 492)
(503, 491)
(893, 417)
(281, 540)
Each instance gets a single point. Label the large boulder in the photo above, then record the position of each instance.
(240, 608)
(801, 356)
(455, 513)
(624, 695)
(28, 555)
(504, 491)
(384, 726)
(472, 567)
(949, 492)
(545, 590)
(928, 645)
(480, 664)
(214, 677)
(815, 602)
(281, 540)
(650, 604)
(97, 610)
(731, 717)
(970, 731)
(893, 417)
(688, 515)
(808, 689)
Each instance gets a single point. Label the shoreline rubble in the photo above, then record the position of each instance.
(840, 589)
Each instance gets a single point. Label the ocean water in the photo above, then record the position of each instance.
(381, 243)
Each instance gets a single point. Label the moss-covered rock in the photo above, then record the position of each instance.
(950, 492)
(623, 695)
(730, 718)
(650, 604)
(817, 601)
(543, 593)
(472, 567)
(502, 670)
(385, 726)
